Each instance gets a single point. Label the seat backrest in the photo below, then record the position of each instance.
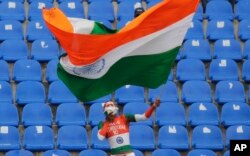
(8, 114)
(72, 9)
(126, 9)
(37, 29)
(200, 152)
(9, 138)
(11, 29)
(237, 132)
(101, 10)
(96, 114)
(224, 27)
(19, 153)
(164, 152)
(51, 71)
(13, 53)
(56, 153)
(92, 152)
(5, 92)
(4, 71)
(130, 93)
(34, 11)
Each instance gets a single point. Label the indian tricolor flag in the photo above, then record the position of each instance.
(99, 60)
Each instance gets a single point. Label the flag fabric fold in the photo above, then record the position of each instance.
(99, 60)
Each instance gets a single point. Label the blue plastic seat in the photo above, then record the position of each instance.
(37, 114)
(195, 31)
(5, 92)
(19, 153)
(44, 50)
(196, 91)
(203, 114)
(37, 29)
(129, 93)
(25, 70)
(237, 132)
(8, 114)
(227, 49)
(96, 143)
(226, 153)
(22, 1)
(56, 153)
(10, 10)
(59, 93)
(92, 152)
(142, 140)
(35, 9)
(11, 29)
(207, 137)
(51, 71)
(72, 137)
(137, 108)
(101, 10)
(167, 92)
(138, 152)
(72, 9)
(126, 9)
(78, 1)
(13, 53)
(30, 92)
(190, 69)
(246, 71)
(152, 3)
(171, 76)
(196, 49)
(219, 10)
(223, 69)
(235, 114)
(38, 138)
(199, 13)
(164, 152)
(229, 91)
(170, 113)
(100, 100)
(96, 114)
(4, 71)
(9, 138)
(246, 50)
(173, 137)
(220, 29)
(201, 152)
(242, 10)
(70, 114)
(244, 30)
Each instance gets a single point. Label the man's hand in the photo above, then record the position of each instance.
(157, 103)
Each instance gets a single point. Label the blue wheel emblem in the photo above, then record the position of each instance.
(119, 140)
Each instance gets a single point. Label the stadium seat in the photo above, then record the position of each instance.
(126, 9)
(201, 152)
(4, 71)
(72, 137)
(173, 137)
(9, 138)
(44, 50)
(70, 114)
(229, 91)
(25, 70)
(38, 138)
(37, 29)
(35, 9)
(199, 13)
(227, 49)
(152, 3)
(60, 1)
(72, 9)
(242, 10)
(190, 69)
(43, 1)
(219, 10)
(196, 49)
(138, 152)
(11, 29)
(96, 143)
(226, 153)
(10, 10)
(19, 153)
(246, 50)
(220, 29)
(207, 137)
(12, 53)
(56, 153)
(96, 114)
(195, 31)
(142, 140)
(51, 71)
(246, 71)
(168, 92)
(101, 10)
(37, 114)
(235, 114)
(164, 152)
(223, 69)
(100, 100)
(5, 92)
(129, 93)
(171, 76)
(170, 113)
(244, 30)
(137, 108)
(30, 92)
(203, 114)
(237, 132)
(196, 91)
(123, 22)
(59, 93)
(92, 152)
(8, 114)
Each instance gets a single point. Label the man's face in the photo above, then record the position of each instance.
(110, 108)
